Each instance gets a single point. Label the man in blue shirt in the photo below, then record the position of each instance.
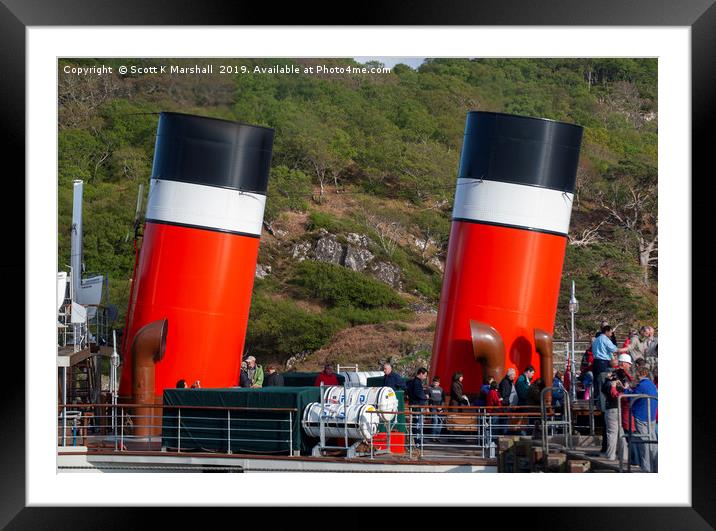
(644, 409)
(603, 350)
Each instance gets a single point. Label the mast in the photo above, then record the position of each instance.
(76, 239)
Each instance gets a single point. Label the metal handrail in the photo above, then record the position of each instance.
(567, 422)
(104, 431)
(628, 436)
(172, 406)
(482, 421)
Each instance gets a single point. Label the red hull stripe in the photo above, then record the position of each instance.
(510, 226)
(214, 229)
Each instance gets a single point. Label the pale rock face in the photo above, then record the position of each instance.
(360, 240)
(388, 273)
(262, 271)
(300, 251)
(357, 258)
(437, 264)
(424, 244)
(328, 249)
(293, 360)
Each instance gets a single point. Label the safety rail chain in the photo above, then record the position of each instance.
(467, 431)
(629, 436)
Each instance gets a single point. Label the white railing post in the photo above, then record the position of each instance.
(228, 431)
(290, 433)
(321, 423)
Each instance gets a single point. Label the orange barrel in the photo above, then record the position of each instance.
(510, 219)
(201, 238)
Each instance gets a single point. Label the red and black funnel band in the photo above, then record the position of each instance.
(520, 150)
(212, 152)
(203, 227)
(508, 226)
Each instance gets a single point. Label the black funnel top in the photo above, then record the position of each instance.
(520, 150)
(213, 152)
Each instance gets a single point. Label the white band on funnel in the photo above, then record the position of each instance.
(514, 205)
(206, 207)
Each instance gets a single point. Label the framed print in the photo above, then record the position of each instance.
(93, 92)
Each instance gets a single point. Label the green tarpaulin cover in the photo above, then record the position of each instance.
(303, 379)
(255, 431)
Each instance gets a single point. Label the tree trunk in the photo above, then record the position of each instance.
(645, 251)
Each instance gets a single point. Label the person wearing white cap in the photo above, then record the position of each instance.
(613, 388)
(625, 363)
(255, 372)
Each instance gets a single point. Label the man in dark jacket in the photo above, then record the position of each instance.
(523, 385)
(273, 378)
(392, 379)
(613, 388)
(417, 397)
(244, 380)
(507, 391)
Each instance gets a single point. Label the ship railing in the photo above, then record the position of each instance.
(69, 333)
(174, 428)
(96, 329)
(419, 432)
(646, 439)
(434, 433)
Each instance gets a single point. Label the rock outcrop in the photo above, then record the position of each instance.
(329, 249)
(262, 271)
(354, 255)
(388, 273)
(301, 251)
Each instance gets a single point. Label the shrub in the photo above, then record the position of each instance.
(340, 287)
(322, 220)
(280, 328)
(360, 316)
(287, 190)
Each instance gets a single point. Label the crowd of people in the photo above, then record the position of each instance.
(609, 373)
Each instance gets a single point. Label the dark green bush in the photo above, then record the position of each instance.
(287, 190)
(323, 220)
(280, 328)
(361, 316)
(340, 287)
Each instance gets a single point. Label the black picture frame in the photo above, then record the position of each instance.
(699, 15)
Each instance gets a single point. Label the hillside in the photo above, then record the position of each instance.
(361, 188)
